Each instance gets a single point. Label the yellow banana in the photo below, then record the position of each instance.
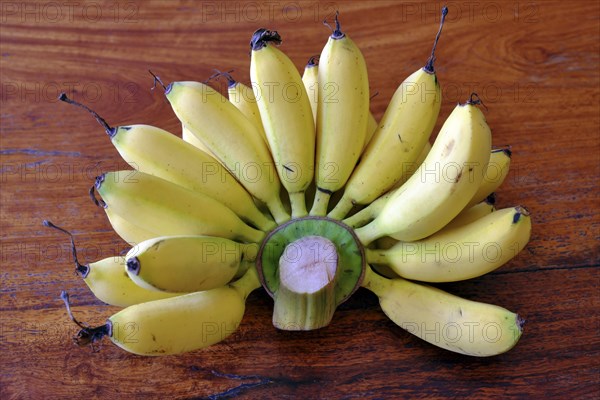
(473, 213)
(106, 279)
(286, 115)
(175, 325)
(189, 137)
(231, 137)
(370, 212)
(157, 205)
(187, 263)
(495, 173)
(157, 152)
(371, 128)
(466, 216)
(342, 115)
(399, 139)
(443, 185)
(460, 253)
(310, 79)
(128, 231)
(242, 97)
(444, 320)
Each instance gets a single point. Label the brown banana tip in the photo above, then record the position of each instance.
(313, 61)
(160, 82)
(92, 193)
(82, 270)
(520, 322)
(520, 210)
(429, 64)
(262, 36)
(336, 33)
(133, 265)
(110, 131)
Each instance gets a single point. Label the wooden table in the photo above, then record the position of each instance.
(534, 63)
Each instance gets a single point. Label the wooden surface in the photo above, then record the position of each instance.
(534, 63)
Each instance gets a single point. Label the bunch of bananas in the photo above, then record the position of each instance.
(222, 211)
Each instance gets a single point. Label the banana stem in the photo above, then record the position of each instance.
(278, 211)
(359, 219)
(368, 233)
(319, 208)
(306, 297)
(249, 251)
(376, 256)
(375, 283)
(247, 283)
(341, 209)
(298, 203)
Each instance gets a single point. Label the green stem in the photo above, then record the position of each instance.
(278, 211)
(298, 203)
(376, 256)
(320, 204)
(247, 283)
(341, 209)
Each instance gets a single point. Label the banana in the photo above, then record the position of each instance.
(495, 174)
(189, 137)
(174, 325)
(342, 116)
(370, 212)
(128, 231)
(187, 263)
(157, 205)
(459, 253)
(231, 137)
(286, 115)
(106, 279)
(399, 139)
(157, 152)
(444, 320)
(466, 216)
(371, 128)
(242, 97)
(473, 213)
(310, 79)
(443, 185)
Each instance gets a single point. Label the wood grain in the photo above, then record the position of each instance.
(536, 64)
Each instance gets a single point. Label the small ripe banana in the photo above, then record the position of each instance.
(242, 97)
(157, 152)
(443, 184)
(231, 137)
(444, 320)
(399, 139)
(310, 79)
(473, 213)
(466, 216)
(174, 325)
(106, 279)
(370, 212)
(189, 137)
(157, 205)
(371, 128)
(459, 253)
(187, 263)
(342, 115)
(495, 174)
(286, 115)
(127, 230)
